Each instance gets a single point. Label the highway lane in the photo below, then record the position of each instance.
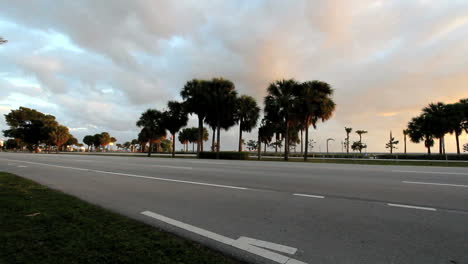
(352, 223)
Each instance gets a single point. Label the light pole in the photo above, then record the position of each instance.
(328, 141)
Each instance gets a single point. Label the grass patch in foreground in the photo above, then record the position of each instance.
(40, 225)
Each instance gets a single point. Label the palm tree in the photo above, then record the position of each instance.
(348, 131)
(196, 98)
(59, 135)
(457, 120)
(266, 132)
(405, 133)
(184, 137)
(313, 103)
(279, 105)
(419, 130)
(222, 101)
(436, 114)
(360, 133)
(247, 115)
(152, 123)
(174, 119)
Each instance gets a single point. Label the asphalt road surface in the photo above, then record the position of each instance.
(276, 212)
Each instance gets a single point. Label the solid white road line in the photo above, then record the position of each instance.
(436, 183)
(309, 195)
(412, 207)
(133, 175)
(22, 166)
(244, 243)
(431, 172)
(207, 162)
(172, 167)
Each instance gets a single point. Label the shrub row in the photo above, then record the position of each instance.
(423, 156)
(228, 155)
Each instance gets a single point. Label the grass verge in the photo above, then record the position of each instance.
(40, 225)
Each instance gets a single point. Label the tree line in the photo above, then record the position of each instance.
(290, 108)
(98, 141)
(436, 121)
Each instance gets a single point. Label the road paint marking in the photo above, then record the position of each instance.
(22, 166)
(254, 246)
(172, 167)
(436, 183)
(412, 207)
(134, 175)
(207, 162)
(309, 195)
(432, 172)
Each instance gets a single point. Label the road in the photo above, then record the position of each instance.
(321, 213)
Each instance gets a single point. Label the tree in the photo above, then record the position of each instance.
(29, 126)
(405, 133)
(360, 133)
(358, 146)
(126, 145)
(465, 147)
(151, 122)
(97, 141)
(252, 145)
(457, 119)
(184, 137)
(419, 130)
(134, 143)
(391, 144)
(247, 114)
(436, 114)
(174, 119)
(104, 140)
(59, 136)
(120, 146)
(347, 142)
(196, 99)
(88, 140)
(279, 105)
(313, 103)
(266, 132)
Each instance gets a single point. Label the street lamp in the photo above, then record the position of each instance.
(328, 141)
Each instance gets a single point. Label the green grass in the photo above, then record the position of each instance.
(40, 225)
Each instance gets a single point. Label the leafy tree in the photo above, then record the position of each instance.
(391, 144)
(153, 128)
(134, 144)
(71, 141)
(436, 114)
(252, 145)
(120, 146)
(247, 115)
(59, 136)
(465, 147)
(313, 103)
(127, 145)
(174, 119)
(184, 137)
(105, 140)
(347, 142)
(196, 97)
(89, 140)
(279, 106)
(358, 146)
(97, 141)
(266, 132)
(166, 145)
(12, 144)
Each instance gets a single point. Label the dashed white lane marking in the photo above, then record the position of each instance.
(309, 195)
(207, 162)
(22, 166)
(254, 246)
(436, 183)
(412, 207)
(172, 167)
(134, 175)
(431, 172)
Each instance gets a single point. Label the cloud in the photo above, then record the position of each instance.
(99, 64)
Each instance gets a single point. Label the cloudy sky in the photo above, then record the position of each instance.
(96, 65)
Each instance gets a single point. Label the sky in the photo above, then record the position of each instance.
(97, 65)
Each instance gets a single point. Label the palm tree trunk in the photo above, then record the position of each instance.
(218, 139)
(264, 148)
(347, 144)
(150, 148)
(405, 143)
(458, 142)
(173, 145)
(213, 140)
(440, 146)
(306, 147)
(57, 150)
(240, 137)
(286, 142)
(200, 134)
(259, 147)
(302, 143)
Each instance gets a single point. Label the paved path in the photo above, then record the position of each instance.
(277, 212)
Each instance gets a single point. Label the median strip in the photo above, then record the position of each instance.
(412, 207)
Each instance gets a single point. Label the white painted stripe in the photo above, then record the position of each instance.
(207, 162)
(134, 175)
(436, 183)
(412, 207)
(268, 245)
(431, 172)
(172, 167)
(243, 243)
(309, 195)
(22, 166)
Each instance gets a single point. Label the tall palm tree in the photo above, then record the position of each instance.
(405, 133)
(247, 115)
(360, 133)
(222, 103)
(457, 119)
(151, 122)
(196, 100)
(279, 105)
(174, 119)
(419, 130)
(313, 103)
(436, 114)
(348, 131)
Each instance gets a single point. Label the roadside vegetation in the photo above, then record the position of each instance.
(40, 225)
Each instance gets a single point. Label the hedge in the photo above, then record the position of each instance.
(228, 155)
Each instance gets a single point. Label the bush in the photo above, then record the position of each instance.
(423, 156)
(228, 155)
